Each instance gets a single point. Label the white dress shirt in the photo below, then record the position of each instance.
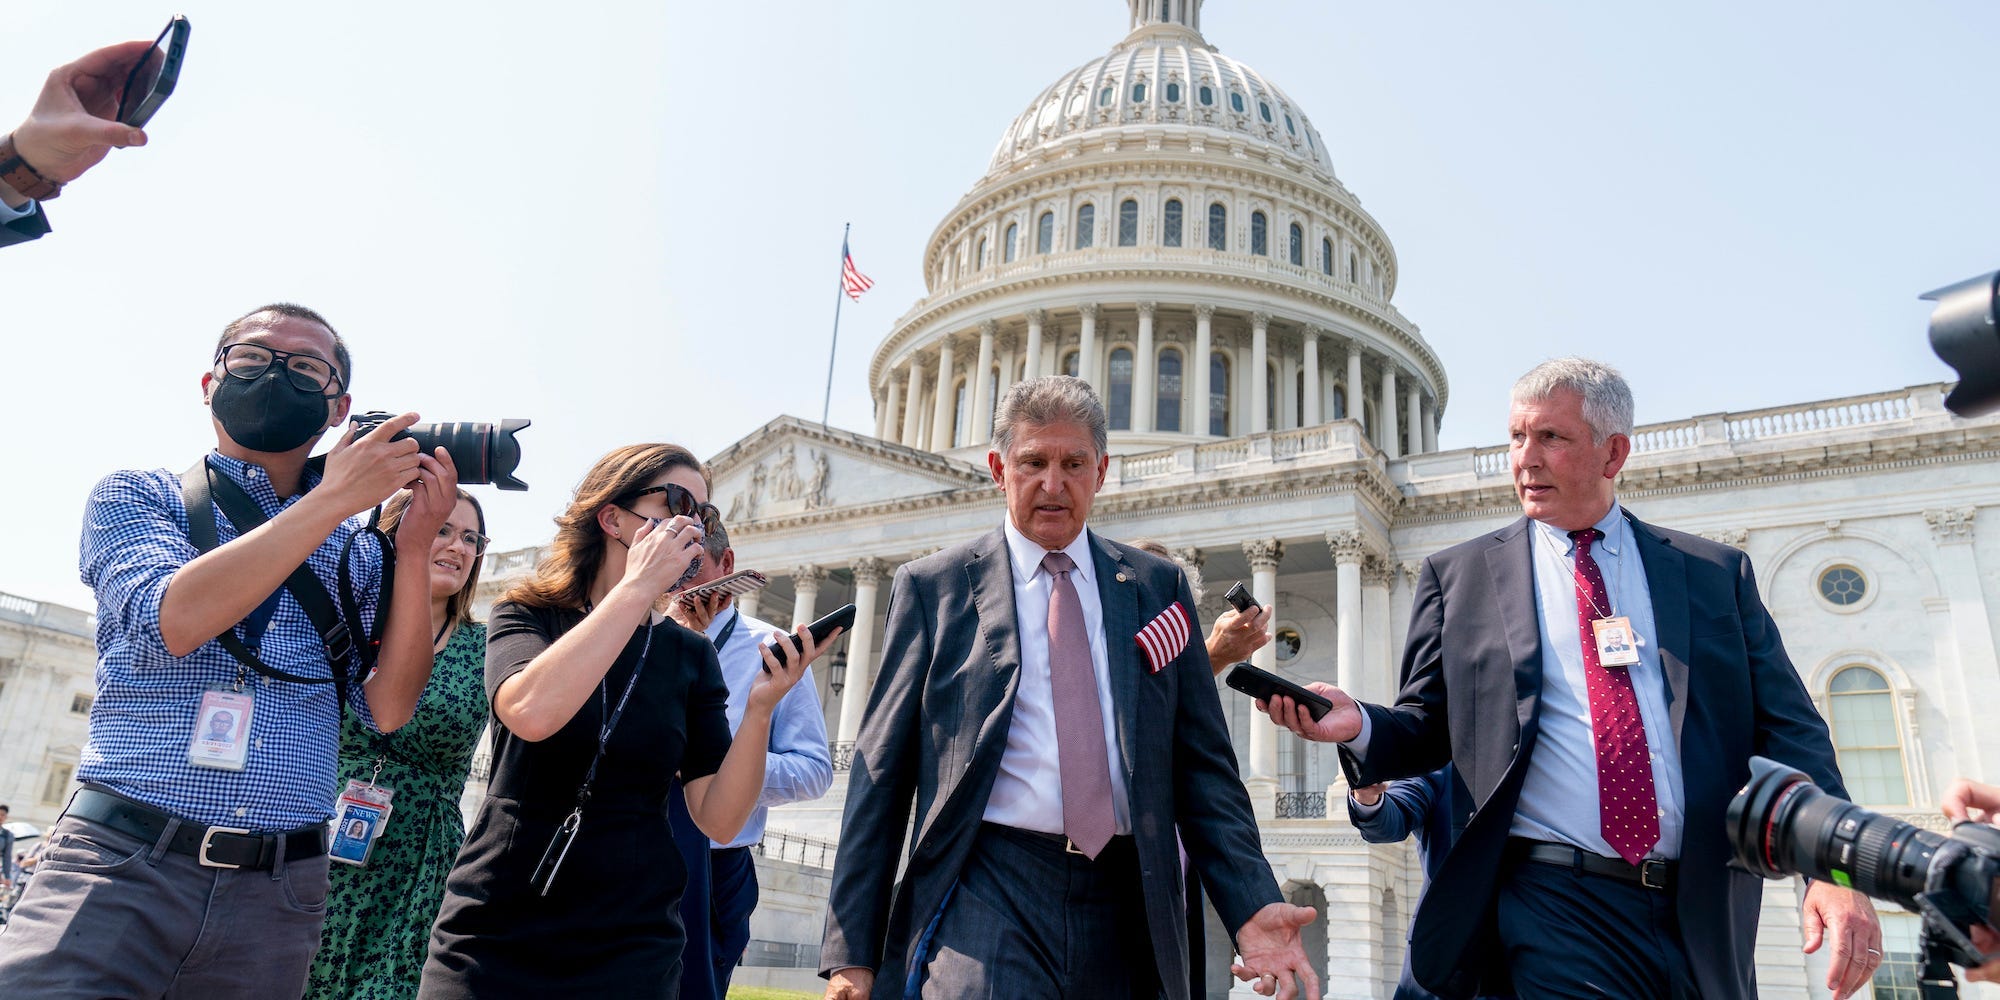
(797, 763)
(1028, 791)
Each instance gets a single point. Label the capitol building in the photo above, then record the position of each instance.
(1165, 222)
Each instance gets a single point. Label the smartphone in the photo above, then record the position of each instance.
(736, 584)
(1262, 684)
(843, 617)
(152, 78)
(1240, 599)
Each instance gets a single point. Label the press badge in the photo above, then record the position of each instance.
(1616, 645)
(359, 818)
(221, 737)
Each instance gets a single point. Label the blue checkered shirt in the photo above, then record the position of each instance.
(135, 537)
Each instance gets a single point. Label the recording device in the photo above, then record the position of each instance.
(1240, 599)
(736, 584)
(1965, 336)
(152, 78)
(1782, 824)
(1263, 684)
(484, 453)
(842, 617)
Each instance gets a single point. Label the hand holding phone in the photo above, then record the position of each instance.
(1263, 684)
(1239, 598)
(789, 645)
(153, 77)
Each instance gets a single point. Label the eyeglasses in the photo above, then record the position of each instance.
(308, 372)
(473, 540)
(680, 502)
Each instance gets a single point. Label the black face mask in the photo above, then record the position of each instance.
(269, 414)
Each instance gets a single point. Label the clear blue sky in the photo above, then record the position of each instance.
(623, 220)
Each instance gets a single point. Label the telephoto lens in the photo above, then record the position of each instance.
(1782, 824)
(483, 453)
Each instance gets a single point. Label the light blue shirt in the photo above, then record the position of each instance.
(797, 765)
(8, 213)
(1558, 800)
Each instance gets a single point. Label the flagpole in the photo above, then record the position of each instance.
(840, 293)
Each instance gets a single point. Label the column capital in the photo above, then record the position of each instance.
(1349, 547)
(1311, 332)
(1735, 538)
(1260, 320)
(869, 571)
(1410, 570)
(1377, 571)
(1006, 341)
(1146, 308)
(1264, 553)
(1951, 525)
(1037, 317)
(989, 328)
(1087, 310)
(808, 577)
(1203, 310)
(1191, 555)
(1389, 367)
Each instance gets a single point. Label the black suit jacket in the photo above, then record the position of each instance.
(25, 228)
(1472, 671)
(936, 726)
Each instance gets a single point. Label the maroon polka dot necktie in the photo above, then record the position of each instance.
(1628, 812)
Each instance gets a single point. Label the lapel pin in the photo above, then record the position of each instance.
(1121, 578)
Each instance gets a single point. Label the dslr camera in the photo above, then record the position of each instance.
(1782, 824)
(484, 453)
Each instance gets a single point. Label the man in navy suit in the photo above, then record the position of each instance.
(1590, 858)
(1046, 704)
(72, 127)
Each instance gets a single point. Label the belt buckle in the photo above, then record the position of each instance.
(208, 840)
(1653, 873)
(1069, 847)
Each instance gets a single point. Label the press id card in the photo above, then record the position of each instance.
(1616, 645)
(221, 738)
(359, 818)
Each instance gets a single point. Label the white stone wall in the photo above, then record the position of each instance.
(46, 664)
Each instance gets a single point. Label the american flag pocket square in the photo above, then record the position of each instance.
(1164, 637)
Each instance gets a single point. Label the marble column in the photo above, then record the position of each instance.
(1416, 415)
(982, 387)
(886, 422)
(1391, 447)
(1355, 411)
(749, 603)
(946, 409)
(1260, 349)
(1086, 353)
(1008, 360)
(912, 411)
(1430, 424)
(1204, 341)
(1262, 782)
(868, 574)
(806, 581)
(1378, 655)
(1145, 381)
(1971, 642)
(1313, 415)
(1349, 552)
(1034, 347)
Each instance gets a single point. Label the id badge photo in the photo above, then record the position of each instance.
(221, 737)
(359, 819)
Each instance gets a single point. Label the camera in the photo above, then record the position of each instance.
(484, 453)
(1782, 824)
(1965, 336)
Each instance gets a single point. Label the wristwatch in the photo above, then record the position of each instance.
(16, 173)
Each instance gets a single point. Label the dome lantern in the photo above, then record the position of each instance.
(1185, 13)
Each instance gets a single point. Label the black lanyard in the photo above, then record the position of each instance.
(611, 721)
(727, 631)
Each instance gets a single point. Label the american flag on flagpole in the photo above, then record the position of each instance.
(851, 278)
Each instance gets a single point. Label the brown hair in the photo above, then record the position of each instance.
(562, 578)
(457, 607)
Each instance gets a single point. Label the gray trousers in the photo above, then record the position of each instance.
(1030, 921)
(109, 915)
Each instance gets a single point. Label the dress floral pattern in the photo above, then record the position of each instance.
(378, 917)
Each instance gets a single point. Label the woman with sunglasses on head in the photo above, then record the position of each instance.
(568, 884)
(378, 915)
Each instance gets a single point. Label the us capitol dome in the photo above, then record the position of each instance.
(1164, 222)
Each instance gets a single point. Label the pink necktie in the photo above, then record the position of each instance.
(1088, 819)
(1628, 812)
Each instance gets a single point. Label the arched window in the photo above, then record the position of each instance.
(1236, 101)
(1299, 398)
(1264, 110)
(1119, 404)
(1326, 257)
(1861, 711)
(1167, 413)
(1206, 95)
(1353, 268)
(1086, 226)
(1289, 127)
(1170, 229)
(1104, 96)
(1339, 403)
(1045, 233)
(1070, 360)
(1139, 93)
(1259, 239)
(961, 409)
(1128, 223)
(1270, 397)
(1173, 92)
(1218, 227)
(1218, 394)
(1164, 15)
(1298, 247)
(982, 253)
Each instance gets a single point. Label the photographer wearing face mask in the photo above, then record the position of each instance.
(192, 863)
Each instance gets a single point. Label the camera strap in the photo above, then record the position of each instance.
(203, 493)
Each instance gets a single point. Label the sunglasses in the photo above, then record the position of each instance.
(680, 503)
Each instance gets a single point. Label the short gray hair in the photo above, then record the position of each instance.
(1051, 399)
(715, 541)
(1607, 400)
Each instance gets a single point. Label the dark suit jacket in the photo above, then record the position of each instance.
(1420, 806)
(1472, 672)
(936, 725)
(25, 228)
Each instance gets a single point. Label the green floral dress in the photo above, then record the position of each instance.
(378, 917)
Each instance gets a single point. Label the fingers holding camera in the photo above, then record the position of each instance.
(1969, 800)
(364, 471)
(433, 496)
(1988, 943)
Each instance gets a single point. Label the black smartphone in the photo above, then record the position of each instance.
(843, 617)
(1239, 598)
(1262, 684)
(152, 78)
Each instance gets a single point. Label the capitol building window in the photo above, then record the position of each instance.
(1862, 714)
(1086, 226)
(1170, 229)
(1218, 227)
(1842, 586)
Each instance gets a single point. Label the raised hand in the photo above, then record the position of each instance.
(661, 552)
(778, 677)
(73, 124)
(1272, 955)
(1338, 726)
(362, 472)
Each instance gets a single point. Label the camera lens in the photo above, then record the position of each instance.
(484, 453)
(1781, 824)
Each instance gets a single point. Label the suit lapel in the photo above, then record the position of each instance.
(1666, 580)
(1118, 592)
(1511, 566)
(990, 579)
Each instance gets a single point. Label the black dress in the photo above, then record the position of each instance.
(610, 925)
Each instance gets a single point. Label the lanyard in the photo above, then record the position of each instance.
(1582, 585)
(611, 721)
(727, 631)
